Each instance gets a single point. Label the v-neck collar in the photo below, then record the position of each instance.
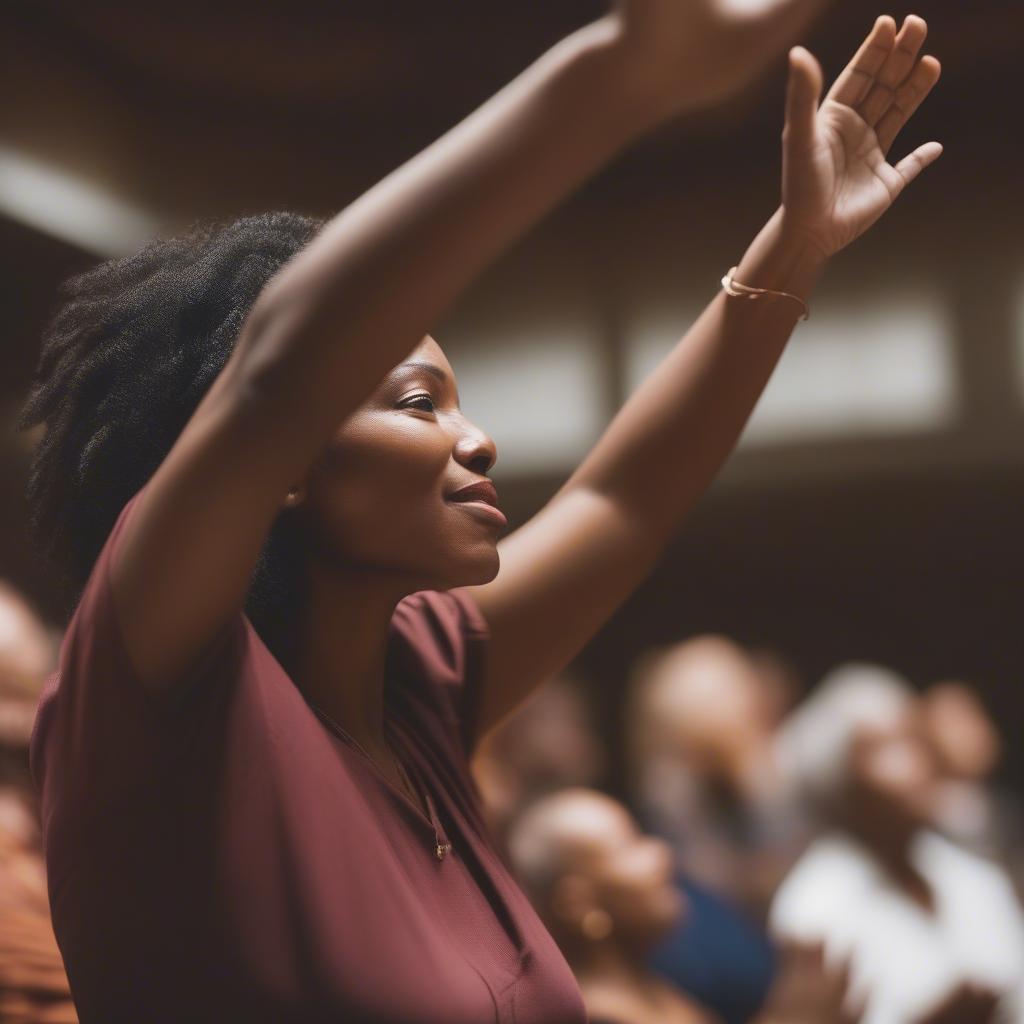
(429, 818)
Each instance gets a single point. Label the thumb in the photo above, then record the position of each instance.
(802, 94)
(913, 164)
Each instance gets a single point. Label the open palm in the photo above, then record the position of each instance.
(837, 180)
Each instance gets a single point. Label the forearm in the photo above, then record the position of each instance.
(672, 436)
(384, 270)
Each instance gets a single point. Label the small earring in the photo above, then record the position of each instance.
(596, 924)
(293, 497)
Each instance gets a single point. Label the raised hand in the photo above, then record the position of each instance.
(808, 990)
(837, 180)
(697, 52)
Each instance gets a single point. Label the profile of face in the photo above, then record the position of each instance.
(389, 492)
(705, 699)
(612, 874)
(892, 774)
(963, 735)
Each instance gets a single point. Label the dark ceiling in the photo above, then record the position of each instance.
(216, 105)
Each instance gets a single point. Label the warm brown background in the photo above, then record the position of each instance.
(905, 549)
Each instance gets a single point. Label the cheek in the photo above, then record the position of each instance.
(634, 880)
(377, 498)
(900, 768)
(390, 451)
(642, 902)
(382, 476)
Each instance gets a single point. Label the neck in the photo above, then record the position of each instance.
(342, 647)
(891, 844)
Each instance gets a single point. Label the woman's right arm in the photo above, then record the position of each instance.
(359, 298)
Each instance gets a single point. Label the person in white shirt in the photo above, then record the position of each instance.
(920, 921)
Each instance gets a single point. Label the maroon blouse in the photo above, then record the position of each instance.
(235, 860)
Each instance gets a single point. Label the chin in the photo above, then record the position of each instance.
(480, 570)
(462, 571)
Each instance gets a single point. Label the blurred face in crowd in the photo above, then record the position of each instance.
(548, 744)
(893, 775)
(389, 492)
(707, 699)
(962, 734)
(614, 868)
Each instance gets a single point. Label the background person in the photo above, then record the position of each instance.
(702, 729)
(970, 807)
(33, 985)
(920, 920)
(606, 891)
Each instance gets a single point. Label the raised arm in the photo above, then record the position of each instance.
(565, 572)
(324, 332)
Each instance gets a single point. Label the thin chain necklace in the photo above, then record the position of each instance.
(419, 799)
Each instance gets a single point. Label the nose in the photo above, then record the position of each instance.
(474, 448)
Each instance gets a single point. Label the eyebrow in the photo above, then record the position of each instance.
(435, 371)
(432, 369)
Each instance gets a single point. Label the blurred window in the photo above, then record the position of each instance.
(69, 208)
(883, 367)
(540, 395)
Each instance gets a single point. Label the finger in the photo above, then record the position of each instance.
(913, 164)
(895, 70)
(802, 93)
(858, 76)
(909, 96)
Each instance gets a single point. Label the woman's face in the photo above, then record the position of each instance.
(385, 494)
(893, 773)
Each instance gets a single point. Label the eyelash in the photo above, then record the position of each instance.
(409, 403)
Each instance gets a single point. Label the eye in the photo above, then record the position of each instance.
(422, 403)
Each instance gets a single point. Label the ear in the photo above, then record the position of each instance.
(296, 496)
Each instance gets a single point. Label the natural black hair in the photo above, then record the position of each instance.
(133, 347)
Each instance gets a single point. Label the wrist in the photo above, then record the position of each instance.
(799, 234)
(783, 257)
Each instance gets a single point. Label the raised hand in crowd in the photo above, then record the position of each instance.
(809, 990)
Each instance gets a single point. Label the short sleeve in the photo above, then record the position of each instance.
(438, 649)
(99, 738)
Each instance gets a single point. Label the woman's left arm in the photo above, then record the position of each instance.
(565, 571)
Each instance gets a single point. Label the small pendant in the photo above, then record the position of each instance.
(442, 850)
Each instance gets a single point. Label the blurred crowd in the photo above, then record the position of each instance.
(769, 854)
(33, 986)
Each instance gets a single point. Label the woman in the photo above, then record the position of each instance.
(606, 891)
(270, 817)
(933, 933)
